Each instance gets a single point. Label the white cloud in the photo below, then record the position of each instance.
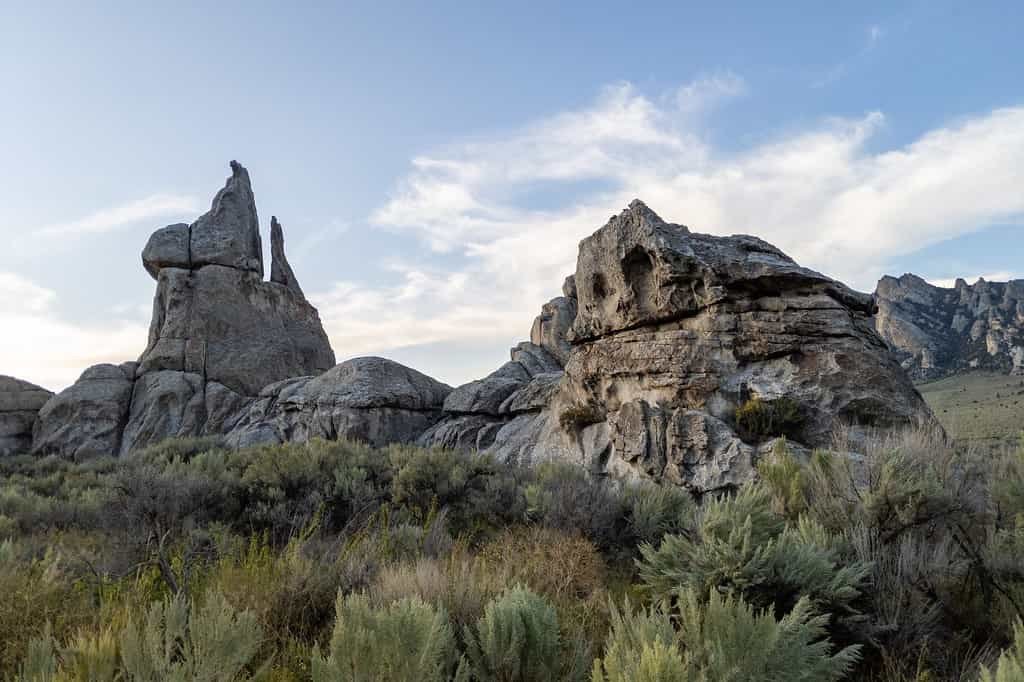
(108, 219)
(873, 35)
(1001, 276)
(820, 194)
(40, 347)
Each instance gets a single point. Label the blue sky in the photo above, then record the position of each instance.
(435, 164)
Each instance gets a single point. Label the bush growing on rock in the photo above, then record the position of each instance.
(759, 419)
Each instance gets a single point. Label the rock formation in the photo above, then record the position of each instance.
(219, 335)
(671, 355)
(370, 399)
(20, 402)
(676, 339)
(936, 331)
(87, 419)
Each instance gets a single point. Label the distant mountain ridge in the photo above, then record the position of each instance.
(938, 331)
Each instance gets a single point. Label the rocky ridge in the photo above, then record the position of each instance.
(937, 331)
(671, 355)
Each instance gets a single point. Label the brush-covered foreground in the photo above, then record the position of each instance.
(335, 561)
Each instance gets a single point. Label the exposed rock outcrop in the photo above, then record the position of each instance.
(374, 400)
(280, 270)
(219, 335)
(672, 333)
(20, 403)
(676, 356)
(88, 418)
(217, 324)
(936, 331)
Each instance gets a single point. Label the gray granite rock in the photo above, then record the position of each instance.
(551, 328)
(168, 247)
(86, 419)
(280, 270)
(229, 233)
(165, 404)
(374, 400)
(228, 326)
(20, 403)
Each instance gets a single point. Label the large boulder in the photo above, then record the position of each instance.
(229, 326)
(686, 338)
(937, 331)
(87, 419)
(370, 399)
(476, 412)
(20, 403)
(689, 356)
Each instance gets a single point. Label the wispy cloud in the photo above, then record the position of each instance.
(166, 206)
(873, 34)
(819, 194)
(1001, 276)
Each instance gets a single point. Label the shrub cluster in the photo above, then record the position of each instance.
(336, 561)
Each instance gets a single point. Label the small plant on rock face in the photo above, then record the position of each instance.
(759, 419)
(579, 416)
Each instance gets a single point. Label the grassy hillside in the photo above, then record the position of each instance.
(979, 408)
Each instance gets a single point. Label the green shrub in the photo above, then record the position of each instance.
(400, 642)
(721, 639)
(758, 419)
(655, 511)
(641, 647)
(291, 593)
(1010, 666)
(741, 547)
(577, 417)
(37, 596)
(461, 585)
(565, 568)
(476, 491)
(90, 657)
(516, 640)
(179, 641)
(564, 496)
(725, 639)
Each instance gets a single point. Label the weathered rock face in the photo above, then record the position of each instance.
(219, 333)
(665, 357)
(20, 402)
(936, 331)
(88, 418)
(671, 333)
(369, 399)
